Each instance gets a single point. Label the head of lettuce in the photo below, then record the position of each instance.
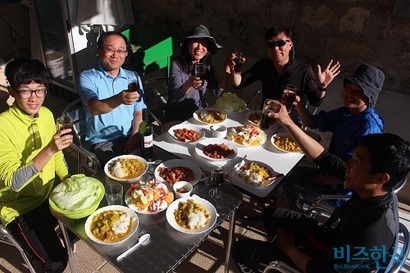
(77, 193)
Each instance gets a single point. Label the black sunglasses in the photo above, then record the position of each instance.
(279, 43)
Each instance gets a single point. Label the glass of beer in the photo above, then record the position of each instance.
(289, 96)
(238, 60)
(266, 121)
(200, 71)
(64, 122)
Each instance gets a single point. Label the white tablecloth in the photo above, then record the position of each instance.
(279, 161)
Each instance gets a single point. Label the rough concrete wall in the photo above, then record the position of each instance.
(350, 31)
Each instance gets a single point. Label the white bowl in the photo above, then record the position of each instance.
(283, 135)
(197, 114)
(182, 189)
(208, 206)
(130, 212)
(179, 163)
(198, 129)
(110, 163)
(207, 141)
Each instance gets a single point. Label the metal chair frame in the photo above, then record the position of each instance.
(394, 265)
(87, 161)
(401, 245)
(156, 97)
(7, 238)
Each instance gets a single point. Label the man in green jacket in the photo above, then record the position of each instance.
(30, 157)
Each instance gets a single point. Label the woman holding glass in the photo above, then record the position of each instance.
(187, 85)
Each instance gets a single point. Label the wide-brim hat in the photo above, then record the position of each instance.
(370, 79)
(201, 32)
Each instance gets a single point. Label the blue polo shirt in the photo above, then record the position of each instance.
(98, 83)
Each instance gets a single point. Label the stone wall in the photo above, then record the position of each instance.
(351, 31)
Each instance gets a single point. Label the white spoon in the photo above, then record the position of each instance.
(142, 241)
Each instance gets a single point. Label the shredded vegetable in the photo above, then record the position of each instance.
(230, 103)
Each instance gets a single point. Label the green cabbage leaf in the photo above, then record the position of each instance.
(230, 103)
(77, 192)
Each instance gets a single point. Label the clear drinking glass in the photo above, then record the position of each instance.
(238, 62)
(289, 96)
(64, 122)
(216, 179)
(200, 71)
(134, 86)
(114, 194)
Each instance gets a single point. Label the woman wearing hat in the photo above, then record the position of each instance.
(186, 91)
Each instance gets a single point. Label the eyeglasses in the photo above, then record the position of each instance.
(27, 93)
(279, 43)
(112, 51)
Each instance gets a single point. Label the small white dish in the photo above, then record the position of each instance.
(218, 131)
(182, 189)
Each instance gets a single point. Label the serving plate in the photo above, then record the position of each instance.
(149, 190)
(109, 166)
(246, 136)
(131, 213)
(173, 163)
(285, 137)
(207, 141)
(206, 204)
(267, 182)
(174, 128)
(207, 111)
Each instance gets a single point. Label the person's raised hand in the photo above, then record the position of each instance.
(277, 110)
(61, 140)
(195, 82)
(326, 76)
(129, 98)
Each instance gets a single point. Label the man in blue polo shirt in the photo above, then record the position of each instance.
(112, 113)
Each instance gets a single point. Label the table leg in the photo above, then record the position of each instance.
(229, 242)
(71, 260)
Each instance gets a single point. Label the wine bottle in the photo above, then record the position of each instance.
(146, 134)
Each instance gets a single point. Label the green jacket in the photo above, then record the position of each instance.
(21, 139)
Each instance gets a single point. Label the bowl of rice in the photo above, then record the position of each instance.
(126, 168)
(191, 215)
(111, 225)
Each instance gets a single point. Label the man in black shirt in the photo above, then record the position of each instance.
(281, 68)
(365, 224)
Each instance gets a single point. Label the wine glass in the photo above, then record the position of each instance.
(216, 179)
(134, 86)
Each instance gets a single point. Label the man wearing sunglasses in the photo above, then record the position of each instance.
(281, 68)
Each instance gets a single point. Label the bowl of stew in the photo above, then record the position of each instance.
(126, 168)
(111, 224)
